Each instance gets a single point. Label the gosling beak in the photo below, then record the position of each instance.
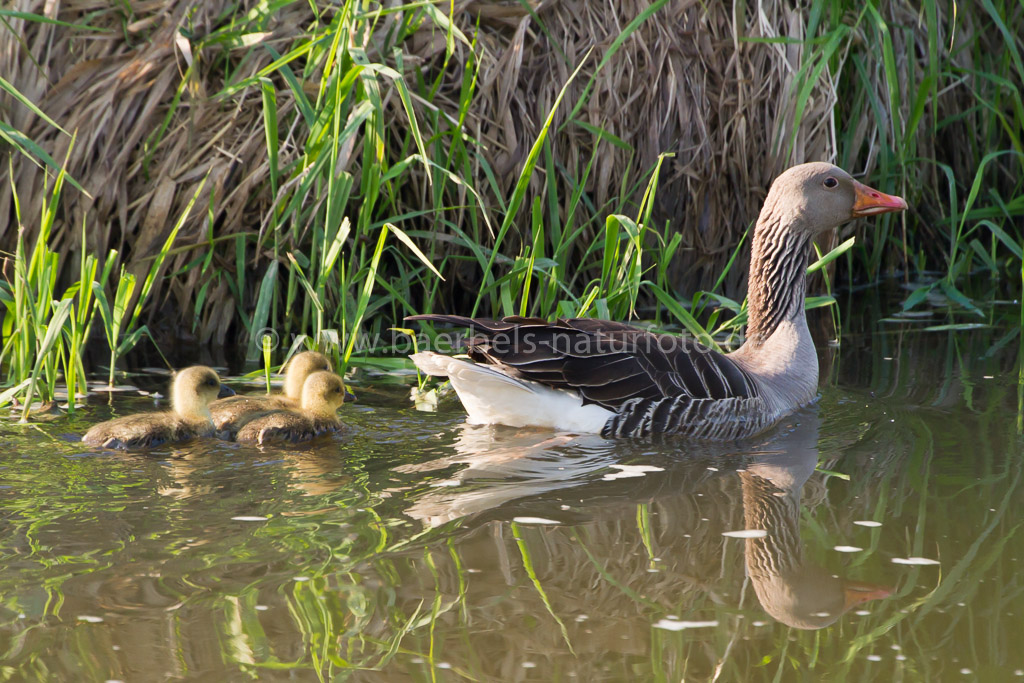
(225, 391)
(856, 592)
(870, 201)
(349, 396)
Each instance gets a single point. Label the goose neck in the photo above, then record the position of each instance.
(777, 283)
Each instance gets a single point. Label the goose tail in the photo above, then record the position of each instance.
(491, 396)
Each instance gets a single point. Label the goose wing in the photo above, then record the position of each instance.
(607, 363)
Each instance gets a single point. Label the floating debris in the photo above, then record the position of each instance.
(847, 549)
(867, 522)
(250, 518)
(674, 625)
(535, 520)
(90, 619)
(914, 560)
(631, 471)
(746, 533)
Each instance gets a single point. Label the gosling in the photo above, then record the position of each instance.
(322, 394)
(231, 413)
(192, 391)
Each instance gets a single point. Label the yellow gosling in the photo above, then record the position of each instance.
(231, 413)
(192, 391)
(322, 395)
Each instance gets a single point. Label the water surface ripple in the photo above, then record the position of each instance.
(873, 536)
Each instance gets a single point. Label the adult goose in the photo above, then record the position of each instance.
(584, 375)
(192, 390)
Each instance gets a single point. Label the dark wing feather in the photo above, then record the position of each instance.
(608, 363)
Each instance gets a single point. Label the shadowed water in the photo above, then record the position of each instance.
(879, 539)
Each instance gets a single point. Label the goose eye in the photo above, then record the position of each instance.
(830, 182)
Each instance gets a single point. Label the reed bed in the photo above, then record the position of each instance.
(363, 161)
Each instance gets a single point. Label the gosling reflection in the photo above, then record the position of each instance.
(795, 593)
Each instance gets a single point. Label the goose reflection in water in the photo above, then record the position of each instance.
(507, 474)
(791, 590)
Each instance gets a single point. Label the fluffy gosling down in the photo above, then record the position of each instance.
(192, 391)
(231, 413)
(322, 394)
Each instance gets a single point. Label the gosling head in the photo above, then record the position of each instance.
(323, 393)
(816, 197)
(192, 390)
(301, 366)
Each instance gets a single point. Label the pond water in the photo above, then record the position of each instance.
(875, 536)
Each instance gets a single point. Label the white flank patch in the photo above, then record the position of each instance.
(627, 471)
(867, 522)
(847, 549)
(90, 619)
(493, 397)
(250, 518)
(535, 520)
(913, 560)
(746, 533)
(445, 482)
(673, 625)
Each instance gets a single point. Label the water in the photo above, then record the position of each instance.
(880, 539)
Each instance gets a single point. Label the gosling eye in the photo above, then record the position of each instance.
(830, 182)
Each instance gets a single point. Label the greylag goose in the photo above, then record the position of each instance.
(322, 394)
(793, 592)
(192, 390)
(231, 413)
(598, 376)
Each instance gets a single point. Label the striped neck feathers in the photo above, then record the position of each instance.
(777, 283)
(777, 512)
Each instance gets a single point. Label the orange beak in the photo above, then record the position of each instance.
(870, 201)
(856, 592)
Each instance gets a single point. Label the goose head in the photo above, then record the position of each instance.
(818, 196)
(323, 393)
(192, 391)
(301, 366)
(809, 597)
